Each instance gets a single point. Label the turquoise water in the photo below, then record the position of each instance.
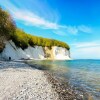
(84, 74)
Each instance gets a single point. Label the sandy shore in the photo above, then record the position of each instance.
(18, 81)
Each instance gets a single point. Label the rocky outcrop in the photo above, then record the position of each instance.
(37, 52)
(60, 53)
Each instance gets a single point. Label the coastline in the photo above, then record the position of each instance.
(68, 91)
(64, 90)
(21, 80)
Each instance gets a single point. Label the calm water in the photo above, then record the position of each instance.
(83, 74)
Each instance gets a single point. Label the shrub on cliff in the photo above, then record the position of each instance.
(7, 25)
(20, 38)
(23, 40)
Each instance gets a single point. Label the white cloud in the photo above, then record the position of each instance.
(32, 19)
(60, 31)
(76, 29)
(85, 50)
(72, 29)
(86, 44)
(87, 53)
(84, 28)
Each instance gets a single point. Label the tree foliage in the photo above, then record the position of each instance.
(7, 25)
(23, 40)
(20, 38)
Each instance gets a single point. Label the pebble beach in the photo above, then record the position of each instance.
(20, 81)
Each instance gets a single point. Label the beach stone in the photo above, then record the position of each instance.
(18, 81)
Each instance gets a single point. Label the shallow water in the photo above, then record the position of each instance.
(83, 74)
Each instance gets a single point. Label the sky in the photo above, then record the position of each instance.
(76, 22)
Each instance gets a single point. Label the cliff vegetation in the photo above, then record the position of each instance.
(9, 31)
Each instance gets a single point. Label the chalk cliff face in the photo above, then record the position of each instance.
(37, 52)
(60, 53)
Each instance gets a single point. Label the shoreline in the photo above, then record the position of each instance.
(64, 90)
(53, 87)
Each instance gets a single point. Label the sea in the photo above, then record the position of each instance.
(83, 74)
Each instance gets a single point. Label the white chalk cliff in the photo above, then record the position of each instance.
(37, 52)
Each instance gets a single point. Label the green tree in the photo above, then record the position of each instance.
(20, 38)
(7, 26)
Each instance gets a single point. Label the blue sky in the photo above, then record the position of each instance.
(76, 22)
